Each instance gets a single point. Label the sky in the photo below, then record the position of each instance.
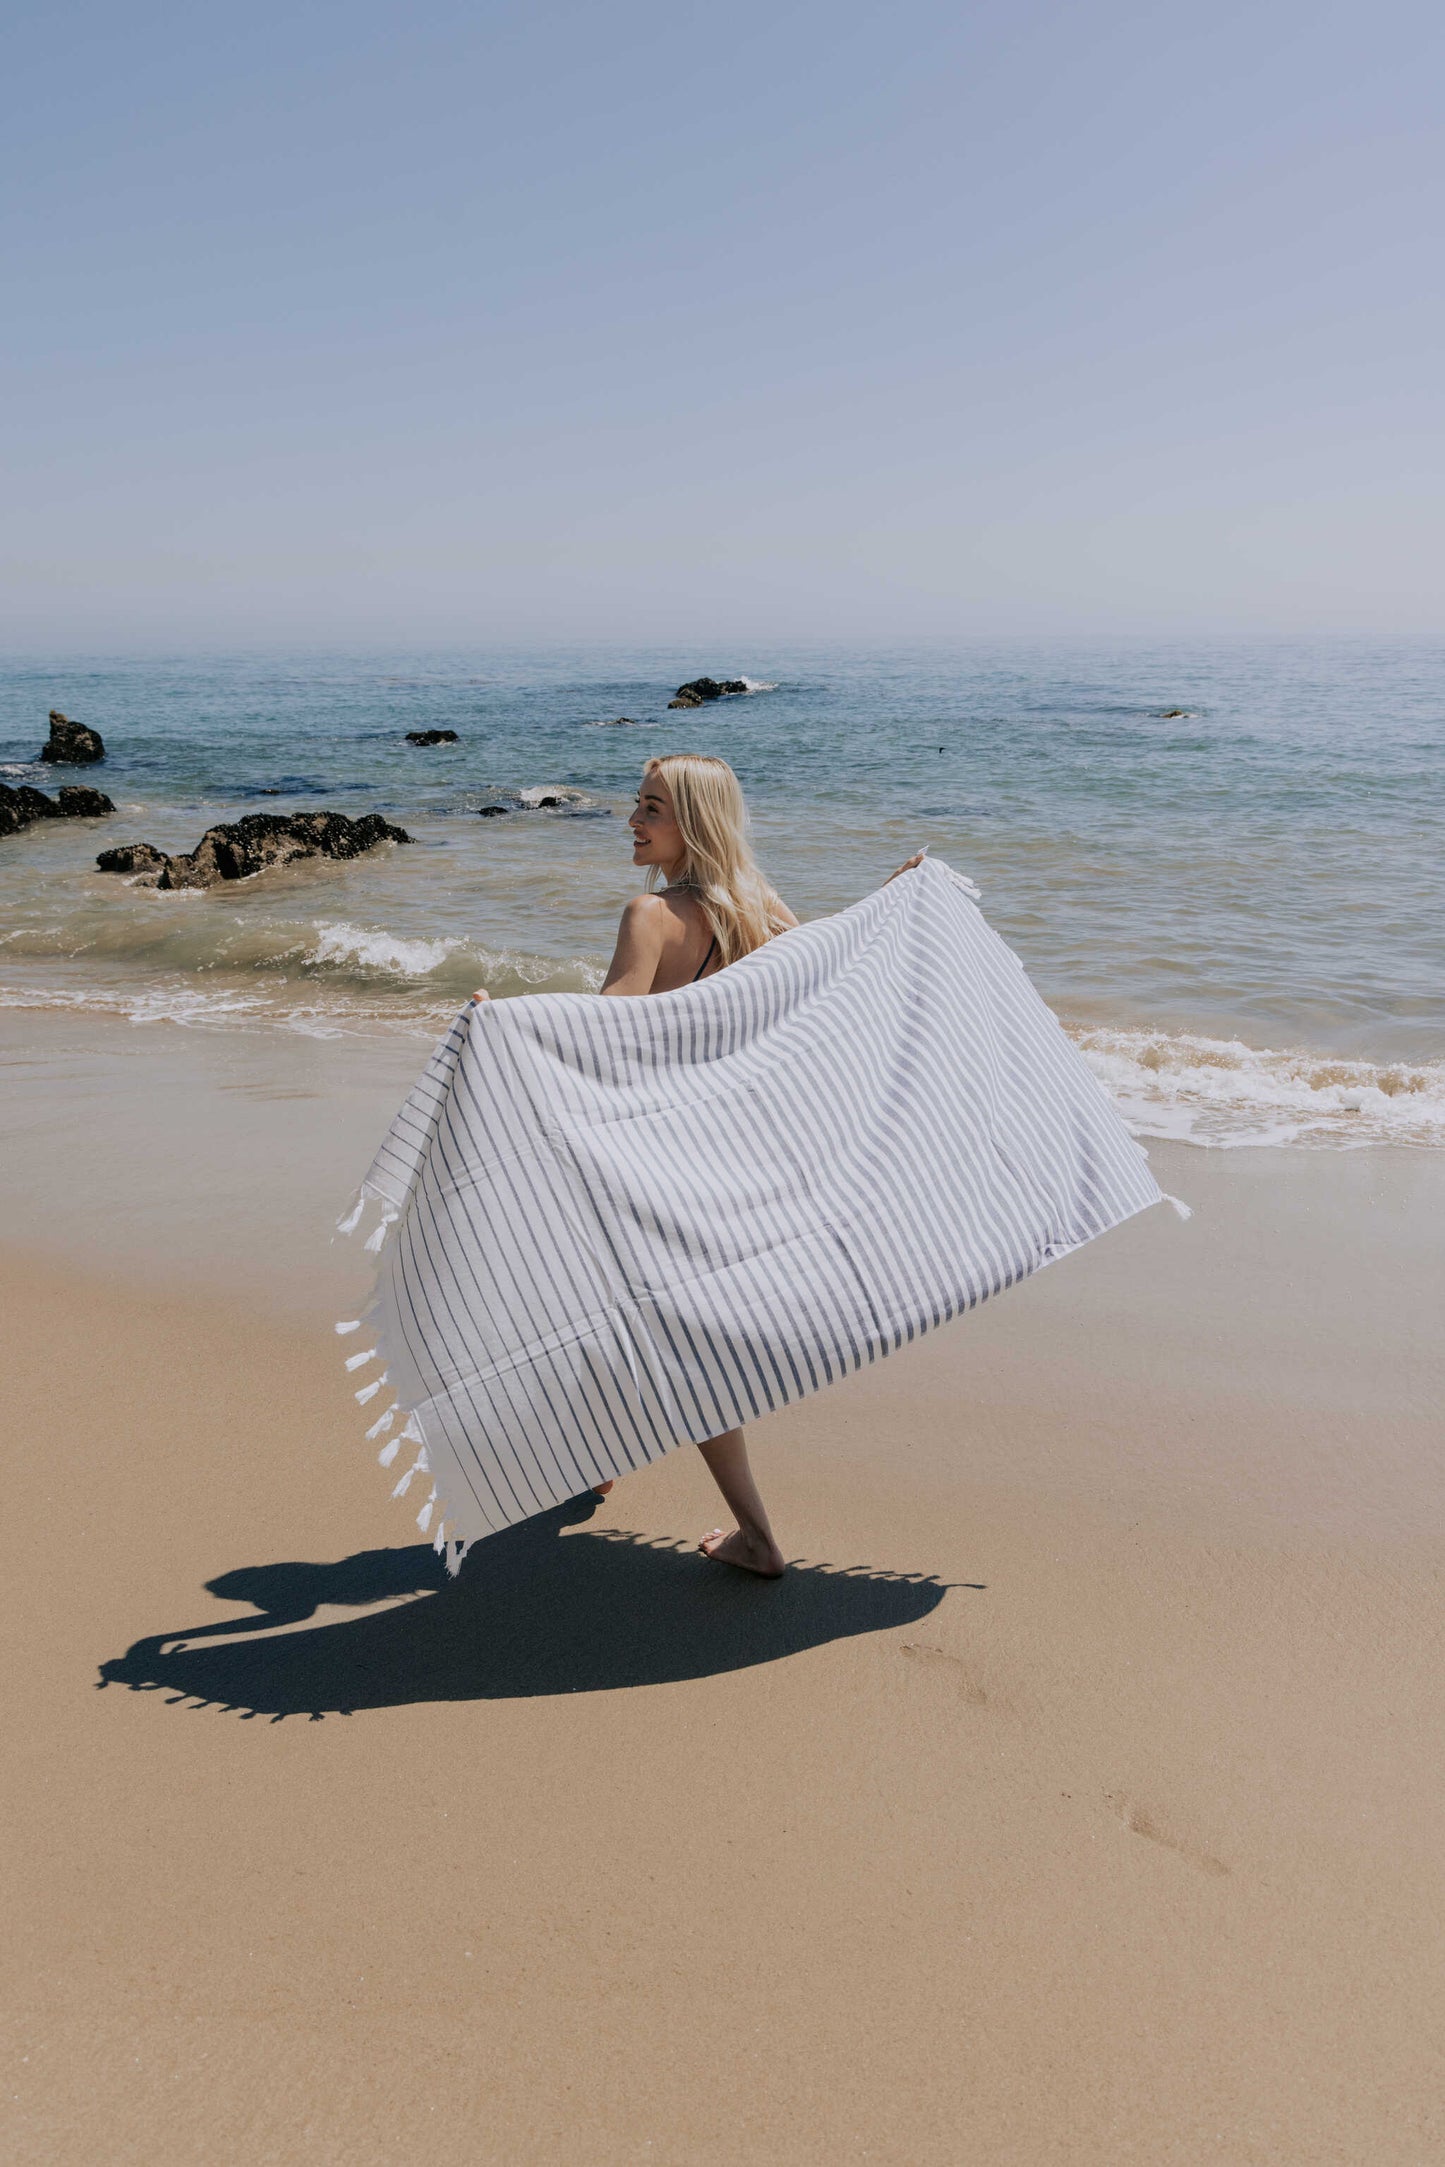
(388, 325)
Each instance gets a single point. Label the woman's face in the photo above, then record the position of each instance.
(656, 837)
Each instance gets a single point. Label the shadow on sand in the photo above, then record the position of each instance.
(534, 1611)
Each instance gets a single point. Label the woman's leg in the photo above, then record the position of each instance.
(751, 1544)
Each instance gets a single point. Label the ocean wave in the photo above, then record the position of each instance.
(365, 949)
(156, 942)
(1223, 1093)
(758, 684)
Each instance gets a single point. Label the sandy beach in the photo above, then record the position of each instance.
(1073, 1799)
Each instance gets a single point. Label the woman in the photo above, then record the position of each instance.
(708, 904)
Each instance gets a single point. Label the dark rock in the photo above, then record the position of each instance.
(703, 689)
(71, 742)
(431, 737)
(492, 812)
(18, 808)
(133, 858)
(1174, 714)
(617, 722)
(239, 848)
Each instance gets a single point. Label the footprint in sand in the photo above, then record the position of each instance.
(952, 1667)
(1143, 1823)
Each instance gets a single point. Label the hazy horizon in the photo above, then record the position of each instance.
(345, 328)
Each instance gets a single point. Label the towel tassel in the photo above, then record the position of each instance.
(421, 1465)
(1184, 1210)
(388, 1220)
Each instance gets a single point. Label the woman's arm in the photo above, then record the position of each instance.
(639, 946)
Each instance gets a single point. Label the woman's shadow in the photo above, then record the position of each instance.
(534, 1611)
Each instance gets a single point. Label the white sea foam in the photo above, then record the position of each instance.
(756, 684)
(143, 1004)
(366, 948)
(1224, 1093)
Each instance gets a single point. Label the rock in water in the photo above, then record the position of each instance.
(239, 848)
(431, 737)
(703, 689)
(81, 803)
(18, 808)
(71, 742)
(134, 858)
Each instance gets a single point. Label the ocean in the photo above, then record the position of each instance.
(1222, 864)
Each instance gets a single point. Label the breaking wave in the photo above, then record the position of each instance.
(1222, 1092)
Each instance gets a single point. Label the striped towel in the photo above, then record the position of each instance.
(618, 1226)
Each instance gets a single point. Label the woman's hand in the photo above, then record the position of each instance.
(481, 994)
(907, 865)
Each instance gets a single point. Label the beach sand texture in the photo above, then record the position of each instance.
(1075, 1800)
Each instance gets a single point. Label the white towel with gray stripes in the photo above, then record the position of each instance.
(617, 1226)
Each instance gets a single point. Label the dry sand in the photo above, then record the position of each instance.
(1077, 1799)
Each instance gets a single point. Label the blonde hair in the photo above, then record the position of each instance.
(718, 864)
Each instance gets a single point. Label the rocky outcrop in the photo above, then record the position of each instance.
(431, 737)
(71, 743)
(239, 848)
(617, 722)
(18, 808)
(703, 689)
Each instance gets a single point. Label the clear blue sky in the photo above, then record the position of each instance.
(409, 324)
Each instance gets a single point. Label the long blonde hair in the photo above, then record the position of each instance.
(718, 864)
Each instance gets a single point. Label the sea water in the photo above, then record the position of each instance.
(1223, 864)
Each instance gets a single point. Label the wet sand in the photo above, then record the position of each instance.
(1075, 1799)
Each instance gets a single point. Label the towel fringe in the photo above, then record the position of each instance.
(447, 1546)
(421, 1465)
(1185, 1211)
(389, 1218)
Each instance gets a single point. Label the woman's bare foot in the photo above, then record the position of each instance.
(600, 1489)
(754, 1553)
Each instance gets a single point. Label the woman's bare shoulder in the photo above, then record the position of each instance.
(644, 910)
